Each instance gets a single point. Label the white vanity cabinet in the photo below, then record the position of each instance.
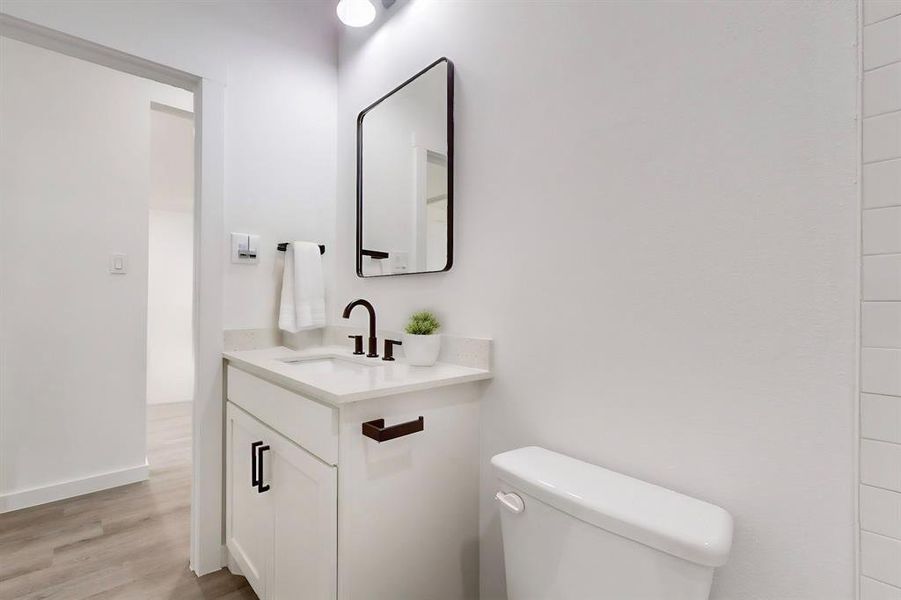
(315, 510)
(281, 503)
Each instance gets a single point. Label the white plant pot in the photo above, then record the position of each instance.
(421, 350)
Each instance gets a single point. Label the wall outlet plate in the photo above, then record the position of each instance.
(245, 248)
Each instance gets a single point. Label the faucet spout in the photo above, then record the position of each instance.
(373, 341)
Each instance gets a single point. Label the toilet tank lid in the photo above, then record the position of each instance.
(657, 517)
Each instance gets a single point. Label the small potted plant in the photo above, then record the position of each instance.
(421, 343)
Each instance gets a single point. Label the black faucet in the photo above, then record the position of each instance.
(373, 341)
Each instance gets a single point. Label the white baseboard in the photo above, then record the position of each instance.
(232, 565)
(156, 401)
(69, 489)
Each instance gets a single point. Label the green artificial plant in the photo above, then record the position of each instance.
(422, 323)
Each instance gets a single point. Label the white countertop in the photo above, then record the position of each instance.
(374, 378)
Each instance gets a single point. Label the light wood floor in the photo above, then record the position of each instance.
(126, 543)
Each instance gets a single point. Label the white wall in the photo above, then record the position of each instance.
(171, 158)
(880, 400)
(278, 62)
(170, 286)
(656, 220)
(74, 188)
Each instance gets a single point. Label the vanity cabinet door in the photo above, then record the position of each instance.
(248, 526)
(305, 510)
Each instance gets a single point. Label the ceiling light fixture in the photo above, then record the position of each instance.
(356, 13)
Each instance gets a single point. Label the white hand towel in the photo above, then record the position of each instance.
(303, 289)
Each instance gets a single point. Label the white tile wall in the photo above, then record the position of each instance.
(882, 135)
(882, 184)
(880, 557)
(881, 324)
(882, 230)
(880, 417)
(880, 465)
(882, 90)
(880, 511)
(870, 589)
(880, 371)
(880, 328)
(882, 277)
(877, 10)
(882, 43)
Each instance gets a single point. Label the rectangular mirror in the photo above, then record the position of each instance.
(405, 177)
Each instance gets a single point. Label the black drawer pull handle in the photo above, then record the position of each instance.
(376, 429)
(260, 486)
(254, 479)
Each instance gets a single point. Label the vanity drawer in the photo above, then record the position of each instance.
(308, 423)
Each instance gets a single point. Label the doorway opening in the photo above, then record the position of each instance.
(170, 287)
(170, 253)
(81, 232)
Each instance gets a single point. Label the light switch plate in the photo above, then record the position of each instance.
(245, 248)
(399, 261)
(118, 264)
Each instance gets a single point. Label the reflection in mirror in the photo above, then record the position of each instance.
(405, 177)
(436, 212)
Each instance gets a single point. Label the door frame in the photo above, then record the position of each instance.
(207, 552)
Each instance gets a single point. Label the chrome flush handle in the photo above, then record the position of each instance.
(511, 502)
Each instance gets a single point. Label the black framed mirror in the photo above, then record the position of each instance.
(405, 177)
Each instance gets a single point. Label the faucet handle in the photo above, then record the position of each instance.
(389, 348)
(358, 343)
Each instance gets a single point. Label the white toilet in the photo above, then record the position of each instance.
(576, 531)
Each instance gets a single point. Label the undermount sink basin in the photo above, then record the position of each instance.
(328, 365)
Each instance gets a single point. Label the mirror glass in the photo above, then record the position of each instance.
(405, 177)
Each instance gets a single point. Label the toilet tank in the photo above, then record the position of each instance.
(577, 531)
